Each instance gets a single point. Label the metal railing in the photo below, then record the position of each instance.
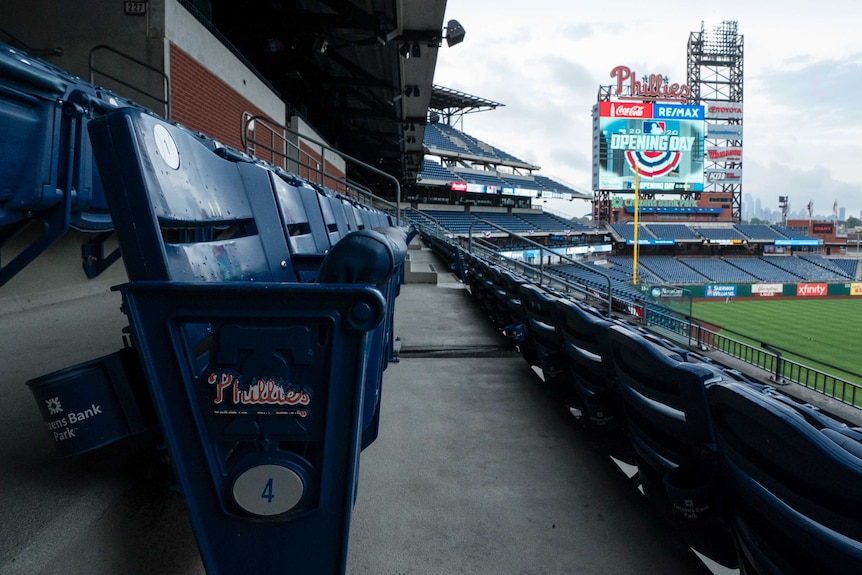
(541, 268)
(164, 100)
(250, 123)
(782, 370)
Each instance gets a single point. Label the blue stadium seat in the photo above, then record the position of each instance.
(49, 179)
(540, 305)
(668, 422)
(257, 379)
(794, 490)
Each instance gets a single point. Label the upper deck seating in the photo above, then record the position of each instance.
(757, 232)
(719, 234)
(793, 487)
(257, 378)
(672, 232)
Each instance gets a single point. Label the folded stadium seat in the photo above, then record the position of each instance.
(49, 180)
(515, 328)
(257, 379)
(545, 340)
(595, 396)
(794, 491)
(302, 220)
(374, 257)
(339, 219)
(664, 400)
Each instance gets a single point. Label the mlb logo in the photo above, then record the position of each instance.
(653, 128)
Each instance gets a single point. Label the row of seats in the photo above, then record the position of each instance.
(460, 222)
(260, 311)
(682, 232)
(50, 182)
(749, 477)
(691, 270)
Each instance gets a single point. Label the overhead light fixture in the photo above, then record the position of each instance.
(320, 44)
(404, 50)
(454, 33)
(411, 90)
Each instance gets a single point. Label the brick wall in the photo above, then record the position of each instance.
(203, 102)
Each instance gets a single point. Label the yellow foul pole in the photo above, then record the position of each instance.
(637, 213)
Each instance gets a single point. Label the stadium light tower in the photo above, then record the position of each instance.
(715, 74)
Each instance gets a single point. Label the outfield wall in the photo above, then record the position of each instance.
(761, 290)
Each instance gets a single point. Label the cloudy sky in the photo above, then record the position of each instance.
(545, 60)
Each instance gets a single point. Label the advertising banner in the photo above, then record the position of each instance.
(724, 131)
(723, 110)
(855, 289)
(721, 154)
(767, 290)
(663, 142)
(811, 290)
(725, 176)
(720, 291)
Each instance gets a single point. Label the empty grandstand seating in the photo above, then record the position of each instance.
(838, 267)
(677, 232)
(793, 488)
(483, 178)
(627, 232)
(805, 269)
(49, 179)
(717, 467)
(670, 429)
(718, 270)
(762, 270)
(790, 233)
(432, 170)
(540, 306)
(718, 234)
(848, 266)
(759, 232)
(671, 270)
(210, 241)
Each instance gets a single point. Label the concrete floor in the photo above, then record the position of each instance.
(475, 471)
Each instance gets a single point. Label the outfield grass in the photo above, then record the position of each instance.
(828, 331)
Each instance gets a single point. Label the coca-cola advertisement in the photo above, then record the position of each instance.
(663, 143)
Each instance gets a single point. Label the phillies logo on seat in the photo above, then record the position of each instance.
(274, 395)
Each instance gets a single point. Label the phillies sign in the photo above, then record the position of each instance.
(652, 87)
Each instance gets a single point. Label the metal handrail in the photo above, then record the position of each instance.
(541, 260)
(166, 100)
(782, 369)
(248, 118)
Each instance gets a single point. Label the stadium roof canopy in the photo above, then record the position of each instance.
(450, 102)
(360, 71)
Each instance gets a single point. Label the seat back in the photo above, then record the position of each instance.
(184, 211)
(794, 491)
(664, 400)
(48, 181)
(258, 380)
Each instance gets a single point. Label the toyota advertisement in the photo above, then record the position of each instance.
(664, 143)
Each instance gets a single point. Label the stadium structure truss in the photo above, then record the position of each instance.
(715, 75)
